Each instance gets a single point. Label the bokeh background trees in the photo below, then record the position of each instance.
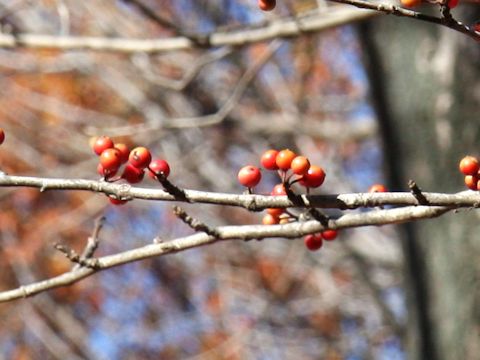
(378, 101)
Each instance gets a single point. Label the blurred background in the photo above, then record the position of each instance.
(380, 101)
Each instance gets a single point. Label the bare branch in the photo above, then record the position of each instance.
(278, 28)
(244, 232)
(252, 202)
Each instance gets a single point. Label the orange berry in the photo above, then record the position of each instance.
(313, 241)
(267, 5)
(411, 3)
(469, 165)
(377, 188)
(300, 165)
(284, 159)
(249, 176)
(268, 159)
(329, 235)
(314, 177)
(472, 182)
(270, 220)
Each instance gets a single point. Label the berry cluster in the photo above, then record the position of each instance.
(315, 241)
(112, 156)
(469, 166)
(291, 168)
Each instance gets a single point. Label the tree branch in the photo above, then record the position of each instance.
(244, 232)
(252, 202)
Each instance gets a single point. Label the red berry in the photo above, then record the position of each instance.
(329, 235)
(268, 159)
(124, 150)
(267, 5)
(158, 167)
(111, 159)
(314, 177)
(140, 157)
(300, 165)
(270, 220)
(2, 136)
(117, 201)
(275, 211)
(377, 188)
(313, 241)
(472, 182)
(105, 173)
(452, 3)
(101, 144)
(249, 176)
(278, 190)
(284, 159)
(132, 174)
(469, 165)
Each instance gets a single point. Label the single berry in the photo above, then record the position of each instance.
(132, 174)
(2, 136)
(249, 176)
(105, 173)
(101, 144)
(268, 159)
(111, 159)
(314, 177)
(270, 220)
(377, 188)
(275, 211)
(284, 159)
(300, 165)
(472, 182)
(329, 235)
(469, 165)
(313, 241)
(140, 157)
(124, 150)
(411, 3)
(278, 190)
(117, 201)
(452, 3)
(267, 5)
(158, 167)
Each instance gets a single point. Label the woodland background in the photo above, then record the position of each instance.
(379, 100)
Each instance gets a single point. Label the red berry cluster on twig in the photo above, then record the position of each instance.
(291, 169)
(113, 156)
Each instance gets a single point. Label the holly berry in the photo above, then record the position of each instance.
(472, 182)
(313, 241)
(268, 159)
(111, 159)
(300, 165)
(377, 188)
(158, 167)
(2, 136)
(249, 176)
(105, 173)
(270, 220)
(469, 165)
(132, 174)
(101, 144)
(411, 3)
(140, 157)
(278, 190)
(314, 177)
(284, 159)
(124, 150)
(452, 3)
(117, 201)
(329, 235)
(267, 5)
(275, 211)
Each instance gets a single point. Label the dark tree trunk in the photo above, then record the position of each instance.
(426, 89)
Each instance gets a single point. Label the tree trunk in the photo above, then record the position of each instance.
(426, 89)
